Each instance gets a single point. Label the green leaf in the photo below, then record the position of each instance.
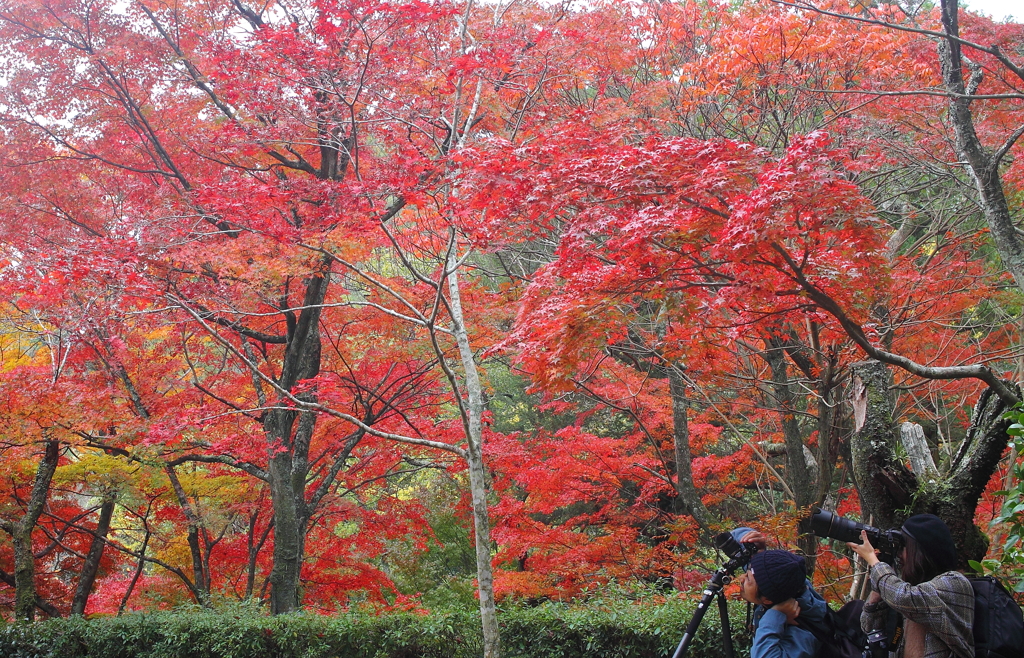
(976, 566)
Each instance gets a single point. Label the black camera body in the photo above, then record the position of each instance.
(827, 524)
(739, 554)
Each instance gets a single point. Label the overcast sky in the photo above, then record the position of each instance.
(997, 9)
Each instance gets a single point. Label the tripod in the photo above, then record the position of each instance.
(719, 580)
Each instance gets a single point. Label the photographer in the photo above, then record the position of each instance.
(936, 602)
(776, 582)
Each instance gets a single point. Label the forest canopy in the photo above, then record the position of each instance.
(335, 303)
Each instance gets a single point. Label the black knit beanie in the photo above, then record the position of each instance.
(934, 539)
(779, 575)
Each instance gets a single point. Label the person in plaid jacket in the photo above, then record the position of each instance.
(935, 600)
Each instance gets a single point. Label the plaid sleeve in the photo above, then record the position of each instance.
(944, 605)
(873, 616)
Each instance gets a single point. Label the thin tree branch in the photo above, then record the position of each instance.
(857, 334)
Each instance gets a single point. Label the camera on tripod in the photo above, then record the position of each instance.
(824, 524)
(827, 524)
(739, 554)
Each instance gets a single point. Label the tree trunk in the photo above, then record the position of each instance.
(199, 576)
(798, 473)
(955, 498)
(289, 544)
(477, 469)
(802, 469)
(92, 560)
(920, 456)
(139, 568)
(254, 546)
(21, 532)
(982, 163)
(46, 607)
(885, 484)
(829, 433)
(288, 448)
(24, 574)
(890, 492)
(687, 501)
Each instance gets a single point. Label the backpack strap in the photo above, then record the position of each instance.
(847, 621)
(821, 632)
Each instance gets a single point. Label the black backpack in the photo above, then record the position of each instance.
(839, 632)
(998, 622)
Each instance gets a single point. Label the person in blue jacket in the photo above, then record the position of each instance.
(776, 582)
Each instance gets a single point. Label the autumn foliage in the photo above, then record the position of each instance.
(240, 245)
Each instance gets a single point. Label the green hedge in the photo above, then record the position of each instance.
(626, 630)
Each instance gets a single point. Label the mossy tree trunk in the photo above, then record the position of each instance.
(890, 491)
(25, 598)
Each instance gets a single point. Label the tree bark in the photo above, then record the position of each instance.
(829, 435)
(25, 597)
(687, 501)
(288, 447)
(890, 492)
(194, 525)
(955, 498)
(797, 471)
(254, 546)
(916, 445)
(885, 484)
(139, 568)
(45, 606)
(92, 560)
(473, 421)
(982, 163)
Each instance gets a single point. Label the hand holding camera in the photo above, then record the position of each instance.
(864, 549)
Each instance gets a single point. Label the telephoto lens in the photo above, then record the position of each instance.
(828, 524)
(727, 544)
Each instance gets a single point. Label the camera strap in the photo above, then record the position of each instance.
(882, 643)
(894, 628)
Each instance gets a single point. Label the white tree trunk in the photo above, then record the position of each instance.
(477, 470)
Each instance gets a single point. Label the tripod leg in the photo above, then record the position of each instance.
(723, 611)
(698, 615)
